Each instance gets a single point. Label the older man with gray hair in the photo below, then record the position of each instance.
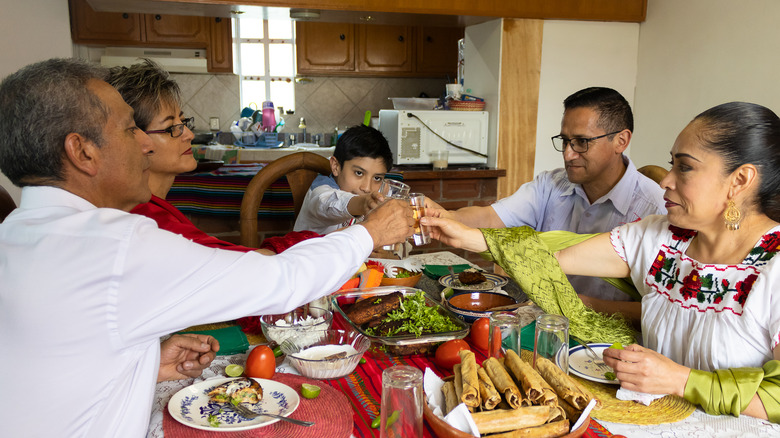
(88, 289)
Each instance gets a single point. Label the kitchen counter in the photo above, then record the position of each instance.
(236, 155)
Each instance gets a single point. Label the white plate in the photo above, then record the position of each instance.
(191, 406)
(582, 365)
(493, 281)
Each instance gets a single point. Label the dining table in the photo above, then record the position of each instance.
(354, 400)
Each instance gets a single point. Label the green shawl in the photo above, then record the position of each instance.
(528, 257)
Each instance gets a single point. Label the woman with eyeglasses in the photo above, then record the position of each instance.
(155, 99)
(708, 271)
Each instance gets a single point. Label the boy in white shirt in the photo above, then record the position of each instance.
(359, 163)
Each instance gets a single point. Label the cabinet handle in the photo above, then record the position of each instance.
(218, 19)
(401, 38)
(158, 17)
(429, 39)
(125, 15)
(342, 37)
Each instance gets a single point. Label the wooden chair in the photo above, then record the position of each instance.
(655, 173)
(300, 169)
(7, 204)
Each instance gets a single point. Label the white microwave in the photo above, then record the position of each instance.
(413, 134)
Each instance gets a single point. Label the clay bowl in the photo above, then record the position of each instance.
(407, 281)
(474, 305)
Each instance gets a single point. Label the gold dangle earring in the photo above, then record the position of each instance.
(732, 216)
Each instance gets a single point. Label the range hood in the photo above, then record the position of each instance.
(172, 60)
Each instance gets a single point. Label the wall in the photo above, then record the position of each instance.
(695, 54)
(32, 31)
(577, 55)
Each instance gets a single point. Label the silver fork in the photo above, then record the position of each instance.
(604, 368)
(249, 414)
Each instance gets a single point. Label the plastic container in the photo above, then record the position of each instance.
(269, 116)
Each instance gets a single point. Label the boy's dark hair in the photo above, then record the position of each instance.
(363, 141)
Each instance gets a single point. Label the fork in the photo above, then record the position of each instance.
(249, 414)
(604, 368)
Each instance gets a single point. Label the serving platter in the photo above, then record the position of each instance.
(492, 281)
(191, 406)
(582, 365)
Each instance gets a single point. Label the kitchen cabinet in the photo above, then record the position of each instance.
(95, 28)
(346, 49)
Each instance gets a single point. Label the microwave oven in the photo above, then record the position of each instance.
(413, 134)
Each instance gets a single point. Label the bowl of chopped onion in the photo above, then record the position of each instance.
(308, 322)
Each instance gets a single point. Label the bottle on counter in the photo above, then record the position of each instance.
(335, 137)
(269, 116)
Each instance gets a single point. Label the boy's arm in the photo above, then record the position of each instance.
(328, 205)
(362, 204)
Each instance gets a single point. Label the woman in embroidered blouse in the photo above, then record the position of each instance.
(706, 270)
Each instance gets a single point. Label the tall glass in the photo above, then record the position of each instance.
(421, 234)
(394, 189)
(402, 402)
(551, 340)
(504, 333)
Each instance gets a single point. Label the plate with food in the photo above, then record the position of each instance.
(473, 279)
(403, 320)
(206, 405)
(581, 364)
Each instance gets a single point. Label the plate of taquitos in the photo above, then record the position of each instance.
(509, 398)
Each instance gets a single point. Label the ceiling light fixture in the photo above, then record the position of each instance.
(304, 14)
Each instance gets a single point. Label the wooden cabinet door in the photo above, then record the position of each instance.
(385, 48)
(437, 50)
(89, 26)
(220, 50)
(178, 29)
(325, 47)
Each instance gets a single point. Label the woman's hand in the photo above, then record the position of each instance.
(643, 370)
(455, 234)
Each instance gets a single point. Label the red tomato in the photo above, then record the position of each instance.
(480, 330)
(447, 353)
(261, 363)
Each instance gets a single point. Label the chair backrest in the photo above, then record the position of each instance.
(655, 173)
(300, 168)
(7, 204)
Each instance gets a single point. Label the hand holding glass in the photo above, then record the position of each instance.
(421, 234)
(392, 189)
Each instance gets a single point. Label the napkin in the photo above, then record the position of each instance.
(639, 397)
(231, 339)
(436, 271)
(460, 417)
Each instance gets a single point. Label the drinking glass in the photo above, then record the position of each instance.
(551, 340)
(504, 333)
(402, 402)
(421, 234)
(391, 188)
(439, 159)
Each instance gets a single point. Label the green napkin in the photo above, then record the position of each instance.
(231, 339)
(436, 271)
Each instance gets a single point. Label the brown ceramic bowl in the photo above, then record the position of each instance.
(474, 305)
(406, 281)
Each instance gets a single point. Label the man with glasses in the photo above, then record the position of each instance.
(598, 189)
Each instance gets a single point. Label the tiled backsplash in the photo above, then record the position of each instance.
(325, 102)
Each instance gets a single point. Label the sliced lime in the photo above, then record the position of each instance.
(310, 391)
(234, 370)
(617, 345)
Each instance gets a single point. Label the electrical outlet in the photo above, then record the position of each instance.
(214, 123)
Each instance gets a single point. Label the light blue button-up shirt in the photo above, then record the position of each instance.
(550, 202)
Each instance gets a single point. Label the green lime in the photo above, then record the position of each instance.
(310, 391)
(617, 345)
(234, 370)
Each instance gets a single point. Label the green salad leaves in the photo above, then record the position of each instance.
(418, 317)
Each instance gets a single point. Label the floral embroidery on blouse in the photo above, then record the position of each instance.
(706, 287)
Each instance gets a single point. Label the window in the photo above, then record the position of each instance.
(265, 61)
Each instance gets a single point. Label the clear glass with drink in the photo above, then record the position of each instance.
(394, 189)
(551, 340)
(421, 234)
(402, 402)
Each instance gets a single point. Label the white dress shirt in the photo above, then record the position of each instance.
(87, 292)
(551, 202)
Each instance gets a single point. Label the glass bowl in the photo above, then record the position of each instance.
(306, 321)
(336, 354)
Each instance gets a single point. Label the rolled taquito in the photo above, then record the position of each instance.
(534, 386)
(506, 420)
(490, 396)
(504, 383)
(549, 430)
(470, 377)
(564, 385)
(450, 397)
